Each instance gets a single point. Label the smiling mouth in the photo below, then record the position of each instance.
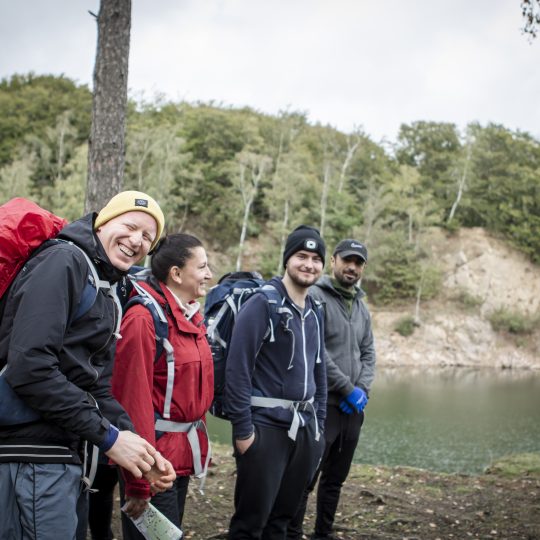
(126, 251)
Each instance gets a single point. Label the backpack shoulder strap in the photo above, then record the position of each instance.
(161, 329)
(277, 309)
(161, 325)
(90, 291)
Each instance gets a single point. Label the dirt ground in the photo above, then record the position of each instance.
(385, 503)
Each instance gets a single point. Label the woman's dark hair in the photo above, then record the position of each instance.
(172, 250)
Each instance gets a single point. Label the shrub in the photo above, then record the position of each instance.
(467, 299)
(504, 320)
(405, 326)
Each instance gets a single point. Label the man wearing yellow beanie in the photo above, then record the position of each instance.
(129, 226)
(58, 335)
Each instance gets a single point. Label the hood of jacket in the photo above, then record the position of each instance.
(81, 232)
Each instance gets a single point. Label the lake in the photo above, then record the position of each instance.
(448, 420)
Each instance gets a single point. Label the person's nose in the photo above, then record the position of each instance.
(136, 238)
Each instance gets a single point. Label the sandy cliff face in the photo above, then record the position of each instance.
(479, 267)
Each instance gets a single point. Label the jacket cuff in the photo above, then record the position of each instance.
(243, 431)
(138, 490)
(110, 439)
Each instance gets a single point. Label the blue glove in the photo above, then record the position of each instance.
(357, 399)
(345, 407)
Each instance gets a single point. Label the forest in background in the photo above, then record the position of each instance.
(230, 175)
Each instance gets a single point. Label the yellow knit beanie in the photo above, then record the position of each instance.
(132, 201)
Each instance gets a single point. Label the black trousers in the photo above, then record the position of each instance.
(95, 509)
(341, 434)
(271, 477)
(170, 503)
(101, 502)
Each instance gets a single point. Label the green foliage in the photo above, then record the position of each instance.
(405, 326)
(466, 299)
(189, 156)
(430, 280)
(504, 192)
(398, 272)
(66, 196)
(15, 178)
(504, 320)
(30, 104)
(433, 148)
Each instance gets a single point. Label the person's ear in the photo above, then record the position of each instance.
(176, 274)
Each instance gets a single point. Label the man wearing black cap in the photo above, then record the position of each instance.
(276, 393)
(350, 372)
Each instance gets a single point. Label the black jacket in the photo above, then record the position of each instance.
(56, 362)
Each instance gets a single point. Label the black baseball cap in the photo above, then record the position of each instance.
(349, 247)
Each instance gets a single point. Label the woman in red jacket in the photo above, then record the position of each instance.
(173, 421)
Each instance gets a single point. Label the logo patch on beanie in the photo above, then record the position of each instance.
(311, 244)
(141, 202)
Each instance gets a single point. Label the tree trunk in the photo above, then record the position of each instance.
(284, 228)
(242, 241)
(106, 149)
(324, 197)
(351, 149)
(249, 190)
(461, 184)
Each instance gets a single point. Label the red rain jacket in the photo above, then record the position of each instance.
(139, 384)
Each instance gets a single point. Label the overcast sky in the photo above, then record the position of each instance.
(369, 63)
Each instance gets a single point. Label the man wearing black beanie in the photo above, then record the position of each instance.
(304, 237)
(275, 393)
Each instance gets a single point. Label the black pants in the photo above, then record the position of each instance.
(271, 477)
(101, 502)
(95, 509)
(170, 503)
(341, 434)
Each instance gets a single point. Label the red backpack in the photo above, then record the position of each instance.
(24, 226)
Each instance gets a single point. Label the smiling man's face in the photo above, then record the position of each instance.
(127, 238)
(347, 270)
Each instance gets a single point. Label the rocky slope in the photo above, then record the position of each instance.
(480, 275)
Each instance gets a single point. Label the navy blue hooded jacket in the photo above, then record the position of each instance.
(292, 367)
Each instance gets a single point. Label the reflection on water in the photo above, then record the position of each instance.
(451, 420)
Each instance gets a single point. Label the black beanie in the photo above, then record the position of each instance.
(304, 238)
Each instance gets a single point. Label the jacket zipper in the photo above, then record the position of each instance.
(106, 344)
(305, 356)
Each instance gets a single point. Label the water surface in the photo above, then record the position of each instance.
(449, 420)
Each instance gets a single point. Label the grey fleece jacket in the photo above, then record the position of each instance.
(348, 340)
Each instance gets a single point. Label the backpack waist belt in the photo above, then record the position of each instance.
(193, 439)
(295, 406)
